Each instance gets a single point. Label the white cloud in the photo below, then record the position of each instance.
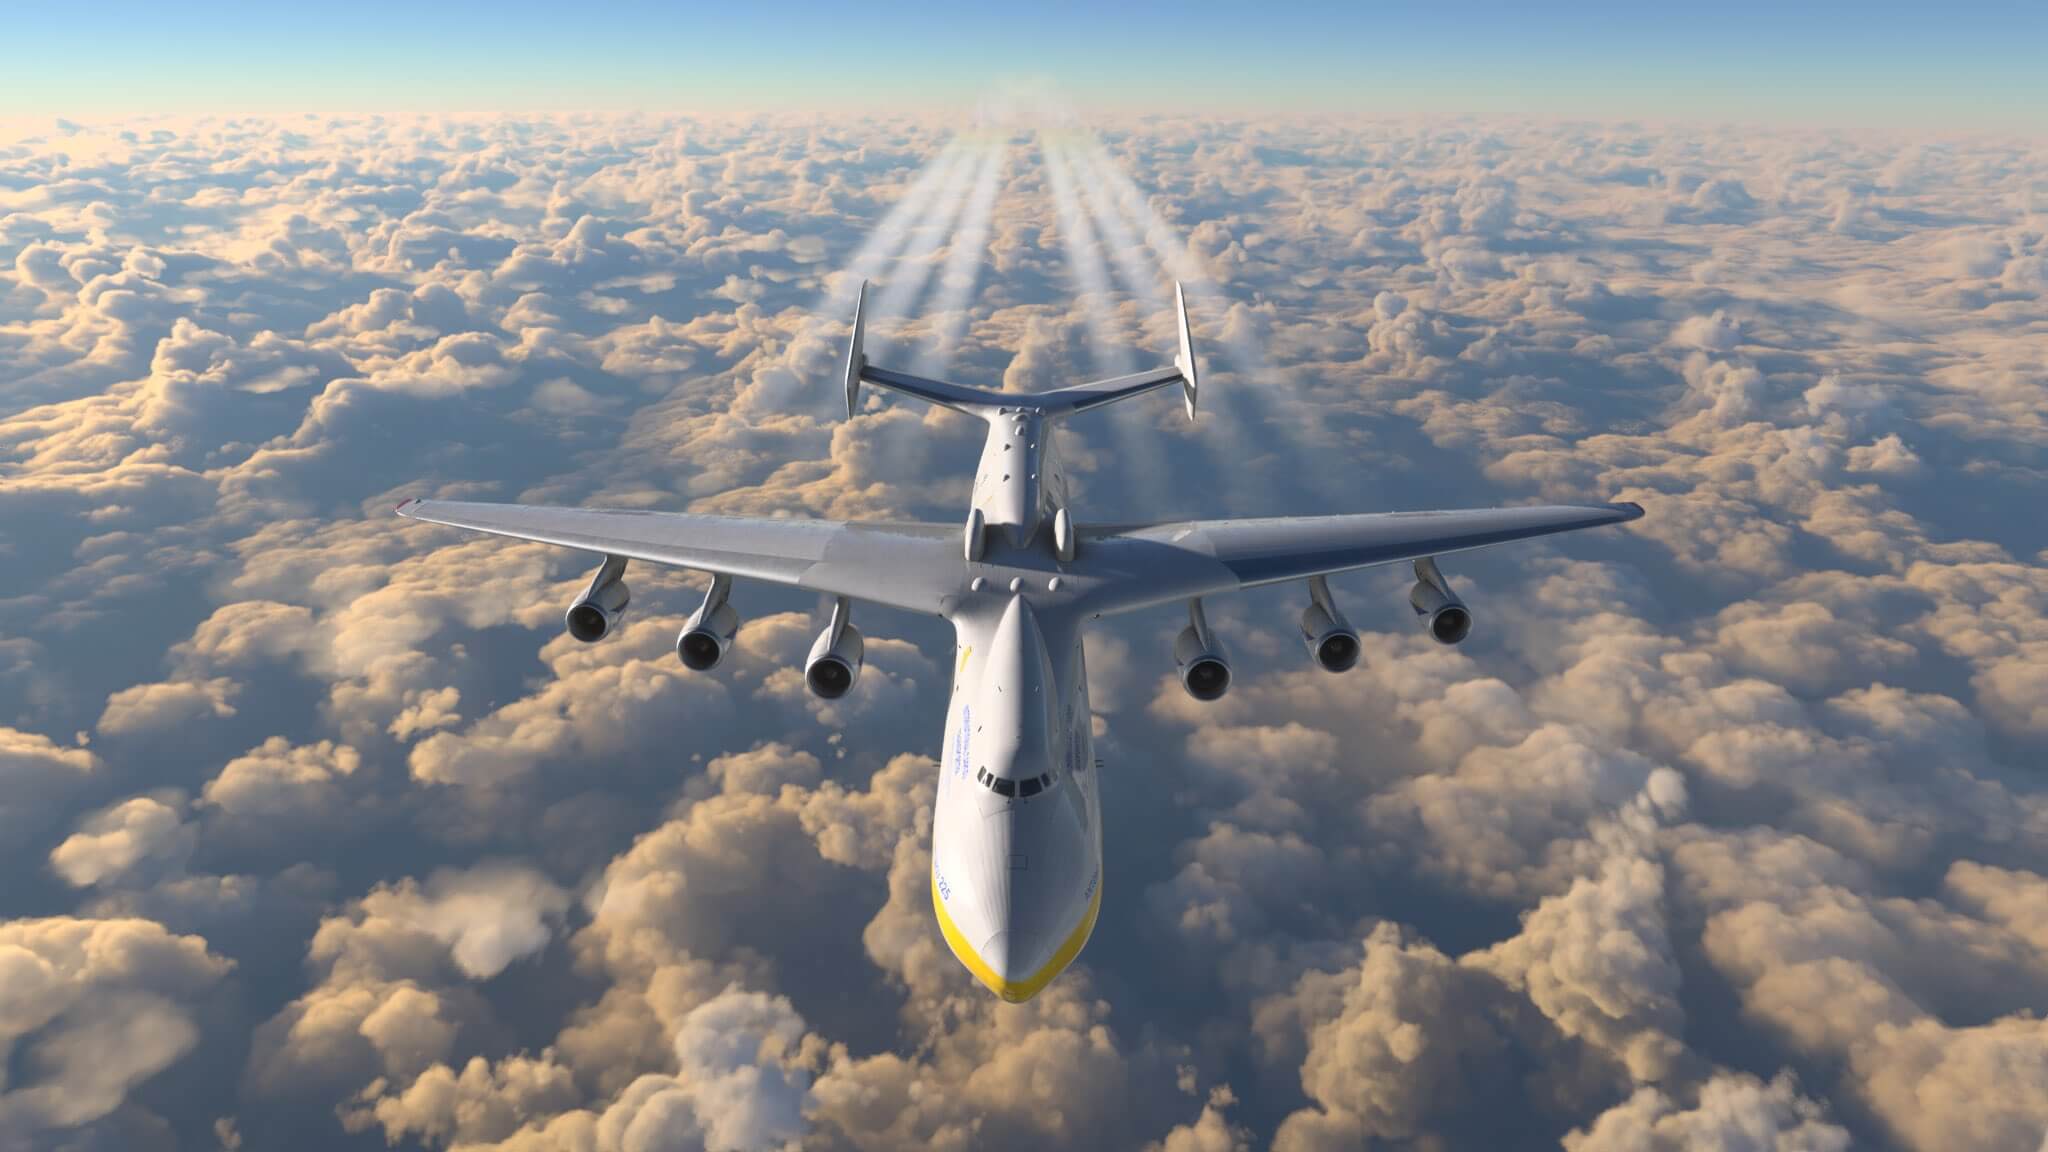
(488, 916)
(276, 781)
(94, 1007)
(35, 774)
(1734, 1112)
(148, 708)
(119, 839)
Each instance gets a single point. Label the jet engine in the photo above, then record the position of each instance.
(834, 663)
(1444, 615)
(707, 634)
(596, 612)
(1332, 642)
(1204, 670)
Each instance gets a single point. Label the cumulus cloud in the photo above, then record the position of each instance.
(393, 999)
(1402, 1043)
(36, 773)
(276, 781)
(92, 1008)
(148, 708)
(1597, 959)
(120, 839)
(488, 916)
(1734, 1111)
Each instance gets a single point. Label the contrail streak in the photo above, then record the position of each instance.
(887, 239)
(1224, 436)
(1140, 276)
(867, 262)
(1142, 456)
(962, 272)
(1084, 260)
(1251, 407)
(906, 278)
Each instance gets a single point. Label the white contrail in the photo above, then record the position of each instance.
(887, 239)
(1229, 429)
(1084, 260)
(962, 272)
(1140, 276)
(1264, 419)
(1139, 450)
(835, 303)
(905, 279)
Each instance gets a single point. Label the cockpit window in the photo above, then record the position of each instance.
(1016, 789)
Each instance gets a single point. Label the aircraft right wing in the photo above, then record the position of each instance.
(1137, 567)
(911, 566)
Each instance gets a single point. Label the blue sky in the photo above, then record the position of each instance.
(1967, 64)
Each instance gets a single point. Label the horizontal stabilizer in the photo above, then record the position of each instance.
(987, 402)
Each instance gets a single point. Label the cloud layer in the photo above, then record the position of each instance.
(1723, 832)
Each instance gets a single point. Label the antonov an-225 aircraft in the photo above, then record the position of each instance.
(1017, 831)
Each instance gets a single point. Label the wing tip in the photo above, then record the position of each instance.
(404, 507)
(1629, 509)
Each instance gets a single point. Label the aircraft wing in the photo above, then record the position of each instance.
(911, 566)
(1136, 567)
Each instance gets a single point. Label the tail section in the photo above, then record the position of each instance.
(1185, 362)
(988, 402)
(856, 358)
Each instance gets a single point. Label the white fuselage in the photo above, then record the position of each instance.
(1017, 829)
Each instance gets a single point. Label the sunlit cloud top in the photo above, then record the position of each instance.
(1971, 65)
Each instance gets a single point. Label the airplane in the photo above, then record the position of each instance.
(1016, 872)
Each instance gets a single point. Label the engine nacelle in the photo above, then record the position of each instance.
(834, 664)
(707, 634)
(1204, 670)
(1332, 642)
(707, 637)
(593, 615)
(1444, 615)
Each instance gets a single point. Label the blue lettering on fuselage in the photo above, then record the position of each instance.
(963, 741)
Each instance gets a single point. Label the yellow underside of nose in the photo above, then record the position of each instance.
(1016, 991)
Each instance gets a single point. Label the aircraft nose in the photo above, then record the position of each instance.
(1006, 970)
(1038, 937)
(996, 955)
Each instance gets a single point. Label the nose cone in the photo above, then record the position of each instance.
(1001, 977)
(1037, 934)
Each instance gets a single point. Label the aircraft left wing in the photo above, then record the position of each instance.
(1140, 566)
(910, 566)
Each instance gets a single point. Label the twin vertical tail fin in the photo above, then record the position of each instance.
(1185, 362)
(987, 402)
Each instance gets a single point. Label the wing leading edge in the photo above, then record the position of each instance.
(1135, 567)
(910, 566)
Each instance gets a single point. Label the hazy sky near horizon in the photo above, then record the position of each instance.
(1970, 65)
